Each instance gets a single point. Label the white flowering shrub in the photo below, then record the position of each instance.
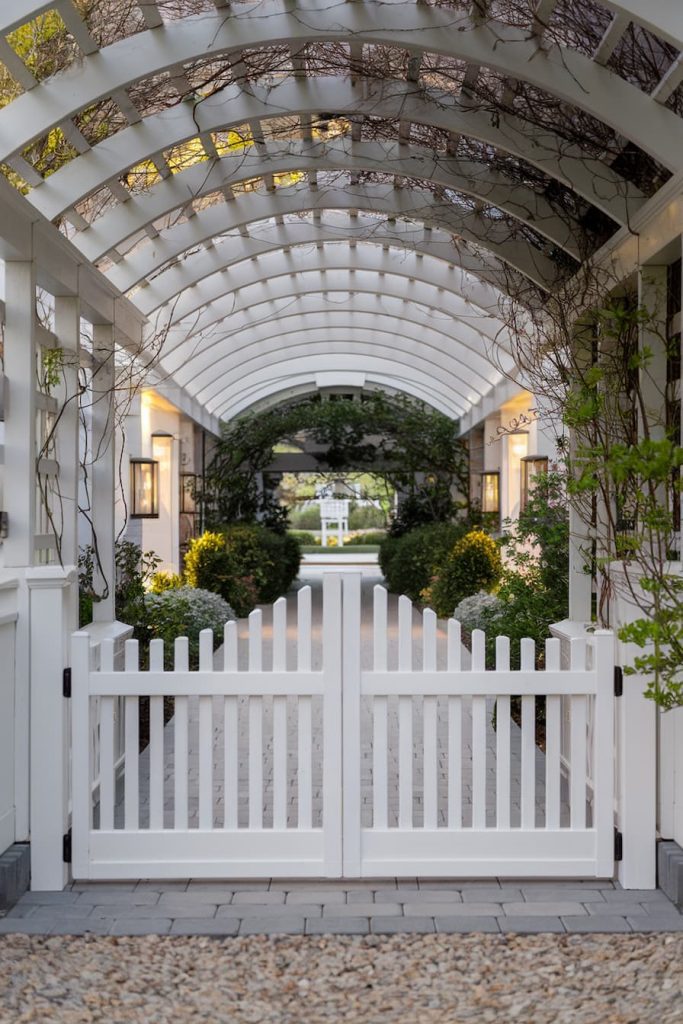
(185, 611)
(480, 611)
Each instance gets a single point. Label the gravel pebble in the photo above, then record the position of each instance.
(425, 979)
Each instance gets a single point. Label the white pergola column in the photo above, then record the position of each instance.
(637, 716)
(21, 330)
(103, 470)
(18, 548)
(67, 329)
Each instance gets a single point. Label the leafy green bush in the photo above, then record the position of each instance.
(305, 518)
(303, 536)
(246, 564)
(162, 581)
(185, 611)
(471, 565)
(432, 503)
(410, 561)
(363, 517)
(134, 571)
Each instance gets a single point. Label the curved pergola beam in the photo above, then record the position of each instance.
(559, 71)
(659, 17)
(291, 387)
(174, 295)
(324, 355)
(175, 192)
(459, 176)
(473, 369)
(210, 303)
(306, 97)
(254, 208)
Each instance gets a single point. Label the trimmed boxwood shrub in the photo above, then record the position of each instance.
(409, 562)
(246, 564)
(471, 565)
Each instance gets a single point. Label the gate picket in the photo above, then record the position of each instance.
(181, 663)
(380, 710)
(503, 739)
(280, 717)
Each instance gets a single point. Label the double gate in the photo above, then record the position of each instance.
(293, 752)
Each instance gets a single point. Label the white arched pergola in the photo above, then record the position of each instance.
(284, 200)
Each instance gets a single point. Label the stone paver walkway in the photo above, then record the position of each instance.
(387, 906)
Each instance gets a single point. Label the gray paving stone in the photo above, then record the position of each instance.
(256, 910)
(661, 908)
(316, 896)
(205, 926)
(491, 892)
(636, 896)
(25, 926)
(139, 898)
(264, 898)
(207, 897)
(654, 923)
(85, 926)
(361, 896)
(426, 897)
(597, 923)
(446, 884)
(458, 909)
(145, 885)
(45, 898)
(337, 925)
(562, 894)
(451, 925)
(234, 885)
(615, 909)
(399, 893)
(149, 913)
(382, 925)
(136, 926)
(361, 909)
(557, 908)
(282, 925)
(530, 925)
(104, 886)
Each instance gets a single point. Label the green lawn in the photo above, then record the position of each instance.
(350, 549)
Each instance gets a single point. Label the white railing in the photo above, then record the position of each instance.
(404, 762)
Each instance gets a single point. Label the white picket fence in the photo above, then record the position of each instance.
(271, 768)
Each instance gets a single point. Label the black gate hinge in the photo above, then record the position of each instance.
(618, 681)
(66, 847)
(618, 845)
(66, 683)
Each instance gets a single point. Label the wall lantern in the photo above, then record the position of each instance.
(490, 492)
(144, 489)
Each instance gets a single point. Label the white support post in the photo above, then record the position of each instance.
(637, 775)
(351, 766)
(67, 329)
(51, 599)
(20, 353)
(102, 469)
(18, 548)
(603, 755)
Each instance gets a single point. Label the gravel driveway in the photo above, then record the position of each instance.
(433, 979)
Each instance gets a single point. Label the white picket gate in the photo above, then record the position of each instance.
(344, 770)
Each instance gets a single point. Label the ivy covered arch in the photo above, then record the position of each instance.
(415, 448)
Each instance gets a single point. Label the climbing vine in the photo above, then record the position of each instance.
(415, 449)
